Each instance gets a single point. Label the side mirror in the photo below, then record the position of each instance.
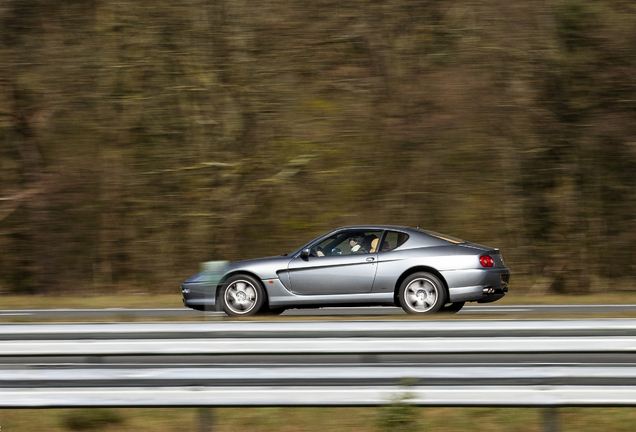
(305, 253)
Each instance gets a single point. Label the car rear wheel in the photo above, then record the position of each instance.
(242, 295)
(452, 308)
(422, 293)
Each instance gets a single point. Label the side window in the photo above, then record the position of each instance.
(324, 245)
(393, 240)
(370, 241)
(349, 243)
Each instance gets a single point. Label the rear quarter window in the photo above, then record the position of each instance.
(393, 240)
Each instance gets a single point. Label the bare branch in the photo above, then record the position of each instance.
(21, 195)
(194, 167)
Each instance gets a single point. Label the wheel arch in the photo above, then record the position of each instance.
(409, 272)
(217, 294)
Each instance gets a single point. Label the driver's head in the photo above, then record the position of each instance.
(356, 239)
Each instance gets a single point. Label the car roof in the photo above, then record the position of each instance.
(413, 232)
(410, 230)
(380, 227)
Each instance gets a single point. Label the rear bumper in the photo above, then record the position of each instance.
(483, 286)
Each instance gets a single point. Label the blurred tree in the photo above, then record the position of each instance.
(137, 140)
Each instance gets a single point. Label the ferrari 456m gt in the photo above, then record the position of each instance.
(369, 265)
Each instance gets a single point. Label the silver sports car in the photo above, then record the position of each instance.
(421, 271)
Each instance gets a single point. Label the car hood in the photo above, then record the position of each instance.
(258, 261)
(264, 268)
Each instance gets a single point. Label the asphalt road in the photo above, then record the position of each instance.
(476, 310)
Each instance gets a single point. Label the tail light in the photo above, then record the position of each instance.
(486, 261)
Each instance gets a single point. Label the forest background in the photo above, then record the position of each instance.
(138, 139)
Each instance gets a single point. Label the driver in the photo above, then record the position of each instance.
(356, 244)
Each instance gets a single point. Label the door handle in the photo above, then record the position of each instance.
(370, 259)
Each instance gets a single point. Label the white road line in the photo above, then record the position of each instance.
(479, 309)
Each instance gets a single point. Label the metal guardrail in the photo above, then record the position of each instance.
(297, 329)
(459, 396)
(384, 311)
(304, 346)
(295, 376)
(361, 363)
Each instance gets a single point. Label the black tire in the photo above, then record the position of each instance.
(422, 293)
(453, 308)
(242, 295)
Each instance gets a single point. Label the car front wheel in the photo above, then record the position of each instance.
(422, 293)
(242, 295)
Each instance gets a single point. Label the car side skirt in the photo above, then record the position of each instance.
(279, 296)
(370, 299)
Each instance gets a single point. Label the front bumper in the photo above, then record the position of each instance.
(199, 296)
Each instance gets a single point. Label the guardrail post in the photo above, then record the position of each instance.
(206, 419)
(550, 419)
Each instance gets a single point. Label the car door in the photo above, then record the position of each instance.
(342, 273)
(390, 261)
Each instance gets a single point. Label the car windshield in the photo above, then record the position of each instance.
(445, 237)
